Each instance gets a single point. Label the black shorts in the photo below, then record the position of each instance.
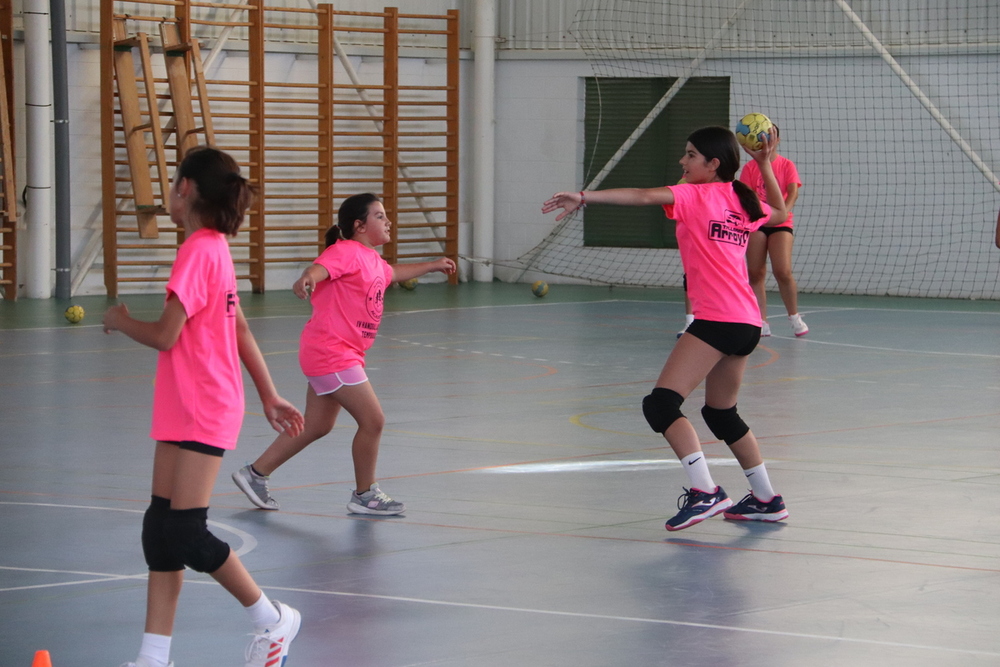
(774, 230)
(729, 338)
(199, 447)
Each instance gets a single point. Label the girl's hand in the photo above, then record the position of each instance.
(304, 286)
(444, 265)
(567, 201)
(113, 317)
(283, 416)
(763, 154)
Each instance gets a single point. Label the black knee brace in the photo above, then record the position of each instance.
(197, 548)
(156, 545)
(726, 424)
(662, 408)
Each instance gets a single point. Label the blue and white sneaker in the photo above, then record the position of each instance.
(753, 509)
(696, 506)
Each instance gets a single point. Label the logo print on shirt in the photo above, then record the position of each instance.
(230, 304)
(731, 230)
(375, 299)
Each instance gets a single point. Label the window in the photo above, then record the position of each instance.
(614, 108)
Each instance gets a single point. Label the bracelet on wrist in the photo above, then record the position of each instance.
(583, 200)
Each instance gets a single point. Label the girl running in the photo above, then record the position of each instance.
(715, 216)
(198, 408)
(775, 241)
(346, 284)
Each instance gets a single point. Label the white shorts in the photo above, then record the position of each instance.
(327, 384)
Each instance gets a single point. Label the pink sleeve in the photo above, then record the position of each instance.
(792, 175)
(188, 281)
(337, 260)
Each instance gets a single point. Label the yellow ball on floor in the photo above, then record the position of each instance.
(540, 288)
(74, 314)
(409, 284)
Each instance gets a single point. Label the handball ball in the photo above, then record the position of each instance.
(74, 314)
(752, 128)
(410, 284)
(540, 288)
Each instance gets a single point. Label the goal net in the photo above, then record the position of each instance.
(888, 109)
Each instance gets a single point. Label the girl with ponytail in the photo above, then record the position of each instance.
(715, 216)
(346, 285)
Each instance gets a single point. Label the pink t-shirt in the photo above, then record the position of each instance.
(199, 384)
(347, 308)
(784, 172)
(712, 234)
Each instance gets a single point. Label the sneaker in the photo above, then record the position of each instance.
(270, 647)
(374, 501)
(140, 662)
(752, 509)
(798, 326)
(255, 487)
(765, 329)
(698, 506)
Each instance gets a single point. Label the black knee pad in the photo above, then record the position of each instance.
(157, 547)
(197, 548)
(726, 425)
(662, 408)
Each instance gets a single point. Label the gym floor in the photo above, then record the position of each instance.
(536, 493)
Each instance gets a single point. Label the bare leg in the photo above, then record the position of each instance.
(757, 267)
(691, 360)
(362, 404)
(722, 387)
(780, 250)
(321, 414)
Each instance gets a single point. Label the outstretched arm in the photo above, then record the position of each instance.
(571, 201)
(305, 285)
(159, 335)
(404, 272)
(282, 415)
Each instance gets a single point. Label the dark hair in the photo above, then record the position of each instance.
(223, 195)
(719, 143)
(353, 208)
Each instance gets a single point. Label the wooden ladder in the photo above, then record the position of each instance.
(175, 53)
(178, 56)
(135, 126)
(8, 194)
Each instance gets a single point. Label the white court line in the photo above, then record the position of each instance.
(634, 619)
(576, 614)
(599, 466)
(249, 541)
(813, 341)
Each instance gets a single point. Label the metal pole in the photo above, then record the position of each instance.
(60, 96)
(38, 117)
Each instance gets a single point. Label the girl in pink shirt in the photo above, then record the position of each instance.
(775, 241)
(346, 284)
(198, 408)
(715, 217)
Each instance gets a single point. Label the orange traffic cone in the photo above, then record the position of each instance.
(42, 659)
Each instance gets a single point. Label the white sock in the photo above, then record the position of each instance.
(760, 483)
(696, 468)
(263, 613)
(155, 649)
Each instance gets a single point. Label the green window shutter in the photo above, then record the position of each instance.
(614, 107)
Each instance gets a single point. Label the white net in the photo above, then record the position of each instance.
(889, 110)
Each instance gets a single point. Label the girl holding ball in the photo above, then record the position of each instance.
(715, 217)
